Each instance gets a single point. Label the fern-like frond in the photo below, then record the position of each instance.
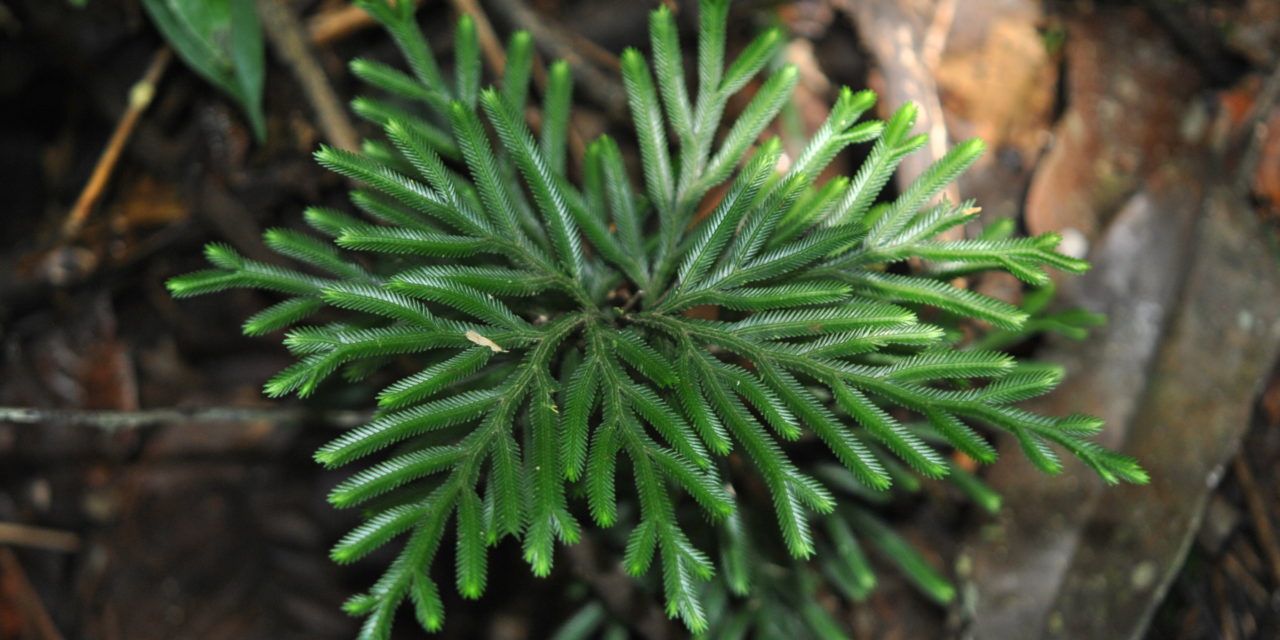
(546, 369)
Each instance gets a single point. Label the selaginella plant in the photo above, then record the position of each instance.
(551, 320)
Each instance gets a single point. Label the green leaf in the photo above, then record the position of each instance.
(924, 576)
(222, 41)
(647, 115)
(467, 61)
(551, 201)
(716, 231)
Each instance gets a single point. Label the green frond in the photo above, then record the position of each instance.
(757, 53)
(855, 314)
(641, 544)
(850, 569)
(899, 551)
(666, 422)
(405, 190)
(379, 301)
(715, 232)
(387, 209)
(401, 240)
(242, 272)
(962, 302)
(778, 297)
(376, 532)
(385, 114)
(898, 438)
(939, 365)
(869, 339)
(394, 427)
(665, 40)
(466, 55)
(433, 379)
(886, 155)
(540, 320)
(637, 353)
(834, 133)
(281, 315)
(504, 486)
(761, 397)
(330, 222)
(622, 203)
(398, 20)
(932, 181)
(977, 490)
(555, 116)
(518, 70)
(304, 248)
(704, 420)
(497, 281)
(466, 299)
(837, 436)
(647, 115)
(547, 194)
(544, 477)
(961, 436)
(395, 82)
(762, 109)
(580, 397)
(483, 165)
(392, 473)
(427, 606)
(471, 554)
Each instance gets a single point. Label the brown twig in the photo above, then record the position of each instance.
(890, 33)
(1245, 580)
(120, 420)
(597, 86)
(23, 535)
(631, 301)
(496, 59)
(16, 588)
(1226, 623)
(1254, 129)
(289, 39)
(140, 96)
(935, 37)
(1263, 529)
(330, 26)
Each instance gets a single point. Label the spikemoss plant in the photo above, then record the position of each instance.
(551, 322)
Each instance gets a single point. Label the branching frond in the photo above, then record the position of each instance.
(539, 339)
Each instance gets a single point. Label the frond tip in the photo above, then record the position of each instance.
(537, 337)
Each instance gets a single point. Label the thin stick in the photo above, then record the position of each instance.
(1261, 521)
(596, 85)
(331, 26)
(38, 537)
(289, 39)
(496, 59)
(16, 588)
(1254, 129)
(935, 37)
(123, 420)
(140, 96)
(631, 302)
